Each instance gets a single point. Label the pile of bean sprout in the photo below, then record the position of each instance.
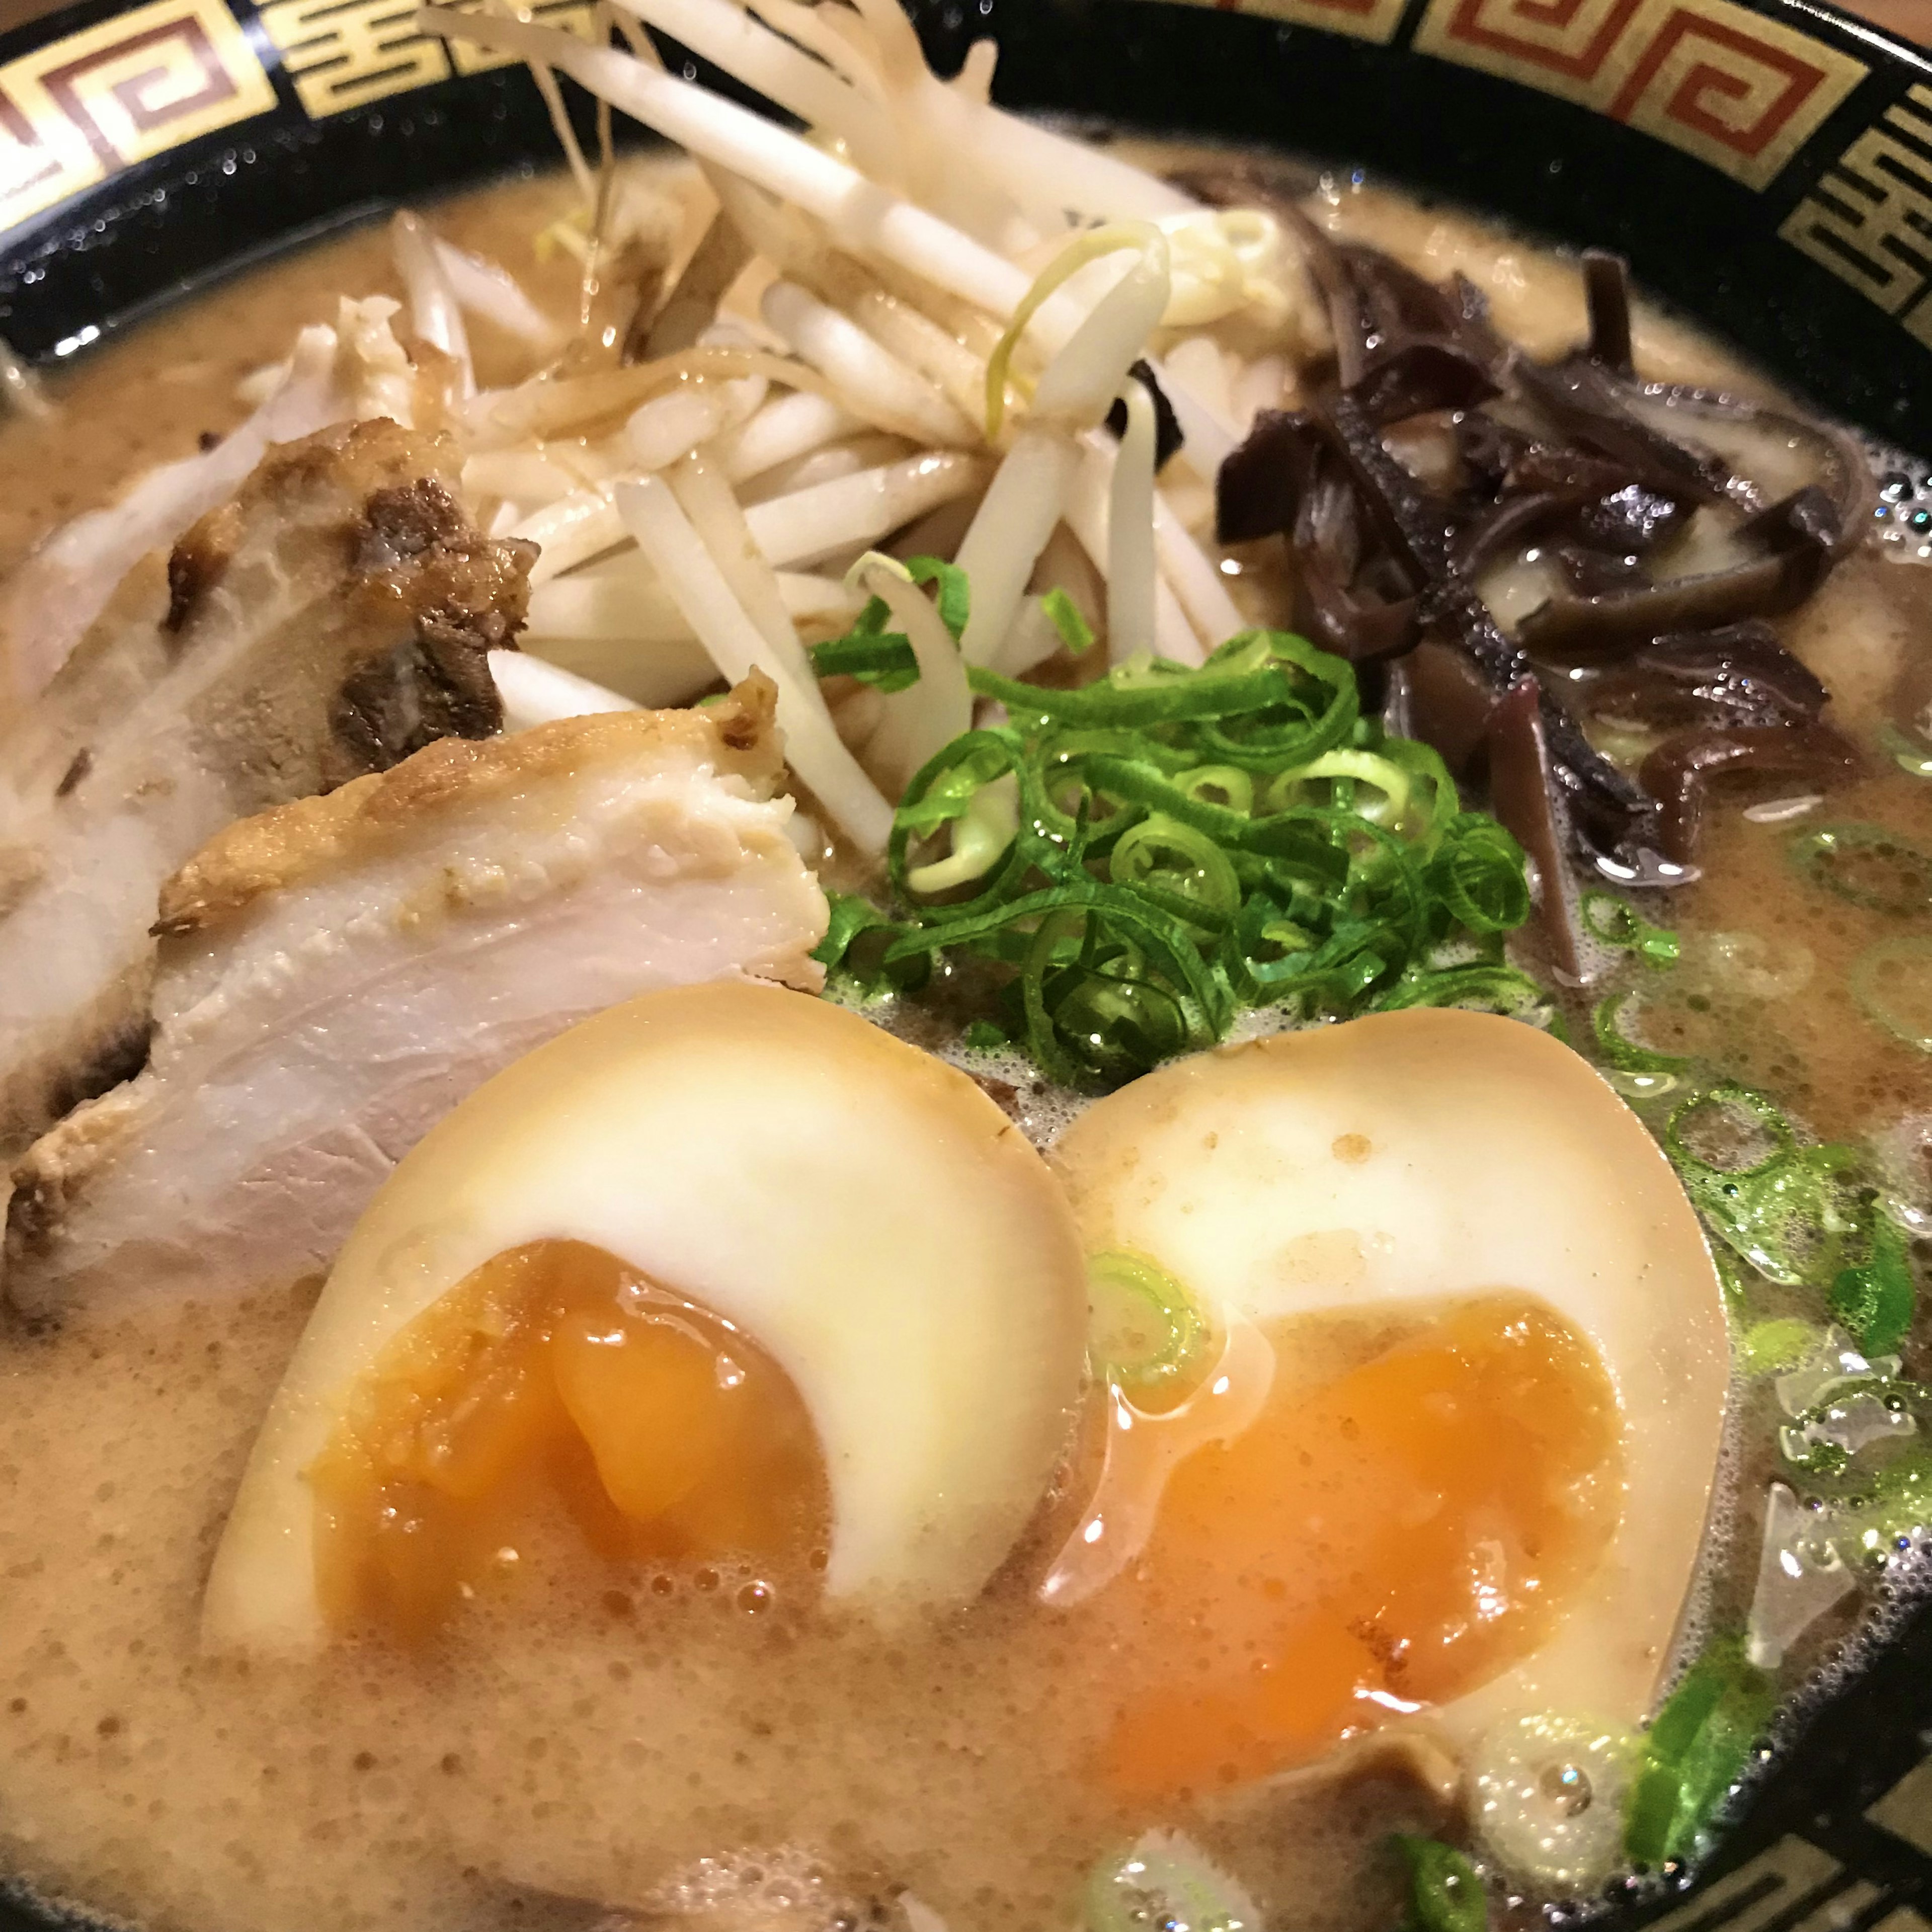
(910, 320)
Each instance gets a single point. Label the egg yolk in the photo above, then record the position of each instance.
(1390, 1540)
(555, 1376)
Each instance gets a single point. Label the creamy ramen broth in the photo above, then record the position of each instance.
(586, 1732)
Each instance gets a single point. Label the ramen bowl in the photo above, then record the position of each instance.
(1762, 165)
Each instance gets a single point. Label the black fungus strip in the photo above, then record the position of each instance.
(1799, 535)
(1449, 702)
(1579, 464)
(1632, 518)
(1502, 529)
(1259, 488)
(1737, 674)
(1611, 812)
(1523, 793)
(1167, 436)
(1587, 403)
(1678, 774)
(1403, 345)
(1606, 296)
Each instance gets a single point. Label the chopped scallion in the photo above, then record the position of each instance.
(1486, 988)
(1610, 918)
(1769, 1348)
(1868, 866)
(855, 938)
(883, 658)
(1445, 1893)
(1618, 1050)
(1694, 1754)
(953, 597)
(1893, 983)
(1803, 1217)
(1138, 859)
(1074, 633)
(1166, 1881)
(1873, 1297)
(1144, 1332)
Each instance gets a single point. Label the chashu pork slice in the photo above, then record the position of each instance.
(331, 618)
(336, 973)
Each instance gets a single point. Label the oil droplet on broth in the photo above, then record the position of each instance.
(1385, 1542)
(555, 1375)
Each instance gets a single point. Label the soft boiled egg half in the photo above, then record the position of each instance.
(1434, 1375)
(1473, 1480)
(724, 1271)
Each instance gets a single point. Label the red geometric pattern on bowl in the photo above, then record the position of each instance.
(1740, 92)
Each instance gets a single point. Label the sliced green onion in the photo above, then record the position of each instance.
(1484, 987)
(1131, 705)
(1133, 782)
(884, 659)
(1445, 1893)
(983, 1036)
(981, 834)
(1874, 1297)
(1618, 1050)
(1769, 1348)
(868, 651)
(840, 951)
(1694, 1754)
(1074, 633)
(1145, 1333)
(1479, 871)
(1114, 861)
(1608, 918)
(1145, 855)
(1790, 1215)
(1283, 701)
(954, 597)
(1165, 1882)
(1868, 866)
(1893, 984)
(1159, 998)
(1227, 788)
(1763, 1208)
(1803, 1217)
(946, 787)
(1909, 754)
(1284, 792)
(1760, 1115)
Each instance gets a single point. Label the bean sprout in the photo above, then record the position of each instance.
(486, 290)
(1130, 553)
(864, 214)
(812, 524)
(925, 716)
(689, 572)
(1028, 498)
(871, 381)
(533, 692)
(787, 427)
